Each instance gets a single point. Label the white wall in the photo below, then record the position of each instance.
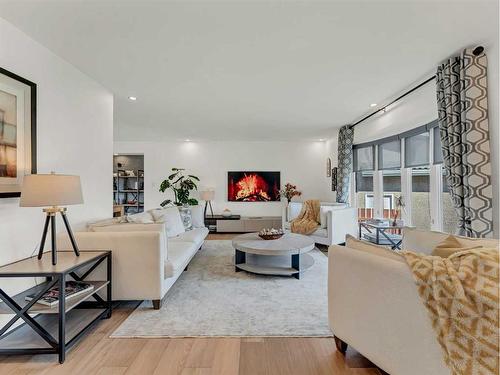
(74, 136)
(420, 108)
(301, 163)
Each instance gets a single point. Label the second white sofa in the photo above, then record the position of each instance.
(147, 260)
(337, 220)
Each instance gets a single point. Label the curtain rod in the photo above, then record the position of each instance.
(477, 51)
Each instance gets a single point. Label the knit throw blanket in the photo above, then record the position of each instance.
(308, 220)
(461, 295)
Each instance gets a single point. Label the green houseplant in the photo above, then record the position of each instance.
(181, 184)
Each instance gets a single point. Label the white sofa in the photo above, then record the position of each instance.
(146, 263)
(337, 220)
(374, 306)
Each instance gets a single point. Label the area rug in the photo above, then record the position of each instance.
(211, 299)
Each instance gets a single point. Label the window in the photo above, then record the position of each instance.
(420, 197)
(364, 166)
(437, 150)
(408, 170)
(417, 150)
(363, 159)
(389, 155)
(364, 194)
(450, 218)
(392, 192)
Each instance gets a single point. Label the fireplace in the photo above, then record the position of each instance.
(253, 186)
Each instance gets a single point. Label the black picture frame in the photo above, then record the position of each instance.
(334, 178)
(33, 99)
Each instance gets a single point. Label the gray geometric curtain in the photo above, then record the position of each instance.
(463, 122)
(344, 166)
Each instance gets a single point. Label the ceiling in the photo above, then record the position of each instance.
(261, 70)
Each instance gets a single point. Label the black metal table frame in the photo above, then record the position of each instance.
(57, 278)
(381, 230)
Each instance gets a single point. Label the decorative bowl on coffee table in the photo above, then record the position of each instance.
(271, 236)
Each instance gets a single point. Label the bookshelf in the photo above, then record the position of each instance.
(128, 184)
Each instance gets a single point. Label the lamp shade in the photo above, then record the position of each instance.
(44, 190)
(207, 195)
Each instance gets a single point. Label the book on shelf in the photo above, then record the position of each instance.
(72, 289)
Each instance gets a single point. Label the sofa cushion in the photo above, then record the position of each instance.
(178, 255)
(354, 243)
(128, 227)
(172, 219)
(106, 222)
(197, 219)
(449, 246)
(321, 232)
(196, 236)
(140, 218)
(424, 241)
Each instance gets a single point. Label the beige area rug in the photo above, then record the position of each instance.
(211, 299)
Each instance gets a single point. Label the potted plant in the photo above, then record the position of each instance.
(182, 185)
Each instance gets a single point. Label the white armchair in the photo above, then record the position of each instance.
(337, 220)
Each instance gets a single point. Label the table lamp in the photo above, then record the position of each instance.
(52, 191)
(207, 196)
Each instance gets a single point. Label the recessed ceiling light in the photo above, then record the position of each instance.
(187, 140)
(133, 98)
(322, 139)
(373, 105)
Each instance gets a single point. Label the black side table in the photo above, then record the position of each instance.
(53, 329)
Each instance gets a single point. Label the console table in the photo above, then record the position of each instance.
(53, 330)
(241, 224)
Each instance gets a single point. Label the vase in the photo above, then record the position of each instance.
(185, 212)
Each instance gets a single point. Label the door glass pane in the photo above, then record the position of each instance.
(364, 159)
(389, 155)
(364, 194)
(420, 198)
(417, 150)
(450, 218)
(392, 191)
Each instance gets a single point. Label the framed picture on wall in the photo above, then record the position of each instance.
(17, 132)
(334, 179)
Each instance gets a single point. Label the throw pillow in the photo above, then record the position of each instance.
(141, 218)
(197, 218)
(172, 219)
(449, 246)
(354, 243)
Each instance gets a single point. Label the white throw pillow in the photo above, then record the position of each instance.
(197, 216)
(172, 219)
(141, 218)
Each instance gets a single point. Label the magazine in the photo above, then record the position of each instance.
(51, 297)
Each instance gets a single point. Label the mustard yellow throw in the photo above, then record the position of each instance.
(308, 220)
(461, 294)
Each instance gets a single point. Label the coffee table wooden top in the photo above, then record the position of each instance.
(290, 243)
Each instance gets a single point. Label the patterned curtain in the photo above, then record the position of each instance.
(463, 122)
(344, 167)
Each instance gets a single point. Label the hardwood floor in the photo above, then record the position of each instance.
(98, 354)
(101, 355)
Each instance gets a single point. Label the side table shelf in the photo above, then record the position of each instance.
(53, 329)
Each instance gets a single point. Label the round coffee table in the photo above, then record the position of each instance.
(286, 256)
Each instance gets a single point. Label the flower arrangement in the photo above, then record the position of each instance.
(290, 191)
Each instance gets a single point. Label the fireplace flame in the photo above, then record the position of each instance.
(252, 187)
